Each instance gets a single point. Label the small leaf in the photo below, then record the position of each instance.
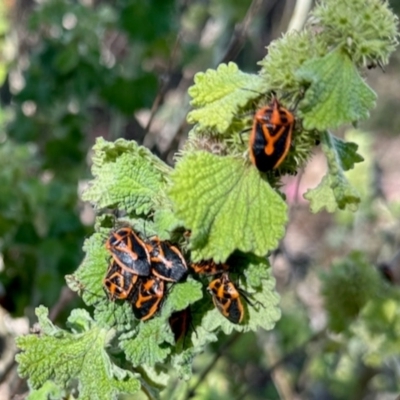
(181, 296)
(165, 222)
(227, 207)
(347, 154)
(220, 94)
(65, 357)
(49, 390)
(127, 177)
(337, 94)
(145, 347)
(335, 191)
(149, 345)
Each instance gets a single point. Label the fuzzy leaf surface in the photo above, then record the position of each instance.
(335, 191)
(145, 347)
(337, 94)
(219, 95)
(64, 356)
(181, 296)
(126, 176)
(149, 345)
(49, 390)
(227, 206)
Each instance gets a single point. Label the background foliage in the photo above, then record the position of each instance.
(72, 72)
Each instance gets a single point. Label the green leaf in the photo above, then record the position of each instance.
(337, 94)
(346, 152)
(165, 221)
(48, 391)
(181, 296)
(127, 177)
(148, 345)
(219, 95)
(63, 357)
(87, 279)
(335, 192)
(264, 313)
(227, 207)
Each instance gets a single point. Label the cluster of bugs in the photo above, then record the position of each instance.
(140, 270)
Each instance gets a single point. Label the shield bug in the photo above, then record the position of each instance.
(179, 322)
(129, 251)
(148, 296)
(167, 261)
(119, 283)
(271, 136)
(226, 298)
(209, 267)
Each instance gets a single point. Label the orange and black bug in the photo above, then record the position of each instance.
(179, 322)
(129, 251)
(119, 283)
(167, 261)
(226, 298)
(147, 297)
(209, 267)
(271, 136)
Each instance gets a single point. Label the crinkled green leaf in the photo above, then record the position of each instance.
(149, 345)
(165, 222)
(227, 206)
(87, 279)
(346, 152)
(335, 192)
(157, 376)
(64, 357)
(46, 326)
(337, 94)
(49, 391)
(182, 363)
(219, 95)
(145, 347)
(263, 314)
(252, 267)
(181, 296)
(126, 176)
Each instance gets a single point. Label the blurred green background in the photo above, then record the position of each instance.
(71, 71)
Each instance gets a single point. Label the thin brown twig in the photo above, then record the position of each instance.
(66, 296)
(163, 88)
(240, 32)
(210, 366)
(236, 44)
